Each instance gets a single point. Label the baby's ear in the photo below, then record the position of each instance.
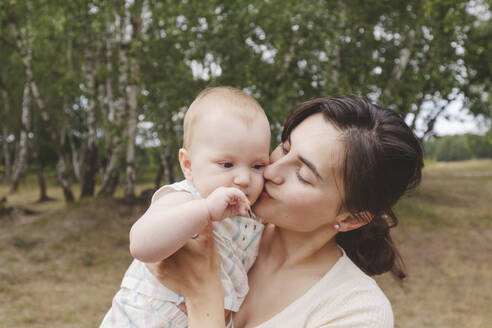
(185, 163)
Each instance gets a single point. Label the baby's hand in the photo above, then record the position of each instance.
(225, 202)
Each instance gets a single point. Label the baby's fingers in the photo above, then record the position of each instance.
(244, 209)
(243, 204)
(240, 198)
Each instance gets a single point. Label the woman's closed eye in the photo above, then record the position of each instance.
(300, 178)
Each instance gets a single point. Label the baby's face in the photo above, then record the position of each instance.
(226, 152)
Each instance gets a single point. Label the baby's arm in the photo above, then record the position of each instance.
(174, 218)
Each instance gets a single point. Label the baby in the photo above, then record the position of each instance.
(225, 149)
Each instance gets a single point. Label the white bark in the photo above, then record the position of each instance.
(111, 175)
(132, 133)
(25, 128)
(25, 53)
(90, 167)
(77, 157)
(132, 111)
(401, 66)
(5, 145)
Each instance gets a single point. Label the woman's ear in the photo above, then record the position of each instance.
(185, 163)
(349, 222)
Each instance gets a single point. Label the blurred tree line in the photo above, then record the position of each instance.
(97, 89)
(459, 147)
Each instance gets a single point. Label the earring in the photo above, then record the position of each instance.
(337, 226)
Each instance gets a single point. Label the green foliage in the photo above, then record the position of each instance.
(453, 148)
(480, 146)
(458, 147)
(414, 57)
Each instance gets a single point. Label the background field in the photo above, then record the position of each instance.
(61, 266)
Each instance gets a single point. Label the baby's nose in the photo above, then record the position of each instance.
(242, 178)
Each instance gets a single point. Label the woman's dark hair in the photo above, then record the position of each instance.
(383, 159)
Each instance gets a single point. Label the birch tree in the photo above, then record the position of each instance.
(133, 90)
(27, 62)
(112, 171)
(91, 150)
(21, 161)
(5, 137)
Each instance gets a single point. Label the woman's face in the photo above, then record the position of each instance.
(303, 184)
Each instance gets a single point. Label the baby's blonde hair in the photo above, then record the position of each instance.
(233, 100)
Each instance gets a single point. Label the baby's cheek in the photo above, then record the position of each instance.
(258, 187)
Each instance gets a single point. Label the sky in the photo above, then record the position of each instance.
(460, 121)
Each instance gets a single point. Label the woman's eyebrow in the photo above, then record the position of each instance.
(311, 166)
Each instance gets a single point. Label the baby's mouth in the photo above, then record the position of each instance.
(265, 194)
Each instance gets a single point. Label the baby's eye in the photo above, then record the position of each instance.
(226, 165)
(259, 167)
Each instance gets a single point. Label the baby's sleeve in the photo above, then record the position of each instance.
(178, 186)
(162, 191)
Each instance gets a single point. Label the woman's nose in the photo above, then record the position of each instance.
(274, 172)
(276, 154)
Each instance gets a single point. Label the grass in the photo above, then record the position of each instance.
(455, 194)
(445, 237)
(62, 266)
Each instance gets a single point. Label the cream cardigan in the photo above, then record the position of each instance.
(344, 297)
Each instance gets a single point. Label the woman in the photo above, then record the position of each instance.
(329, 192)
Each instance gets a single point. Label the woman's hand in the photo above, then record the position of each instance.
(194, 272)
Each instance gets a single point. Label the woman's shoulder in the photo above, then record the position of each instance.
(350, 298)
(344, 297)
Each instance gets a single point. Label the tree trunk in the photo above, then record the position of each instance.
(25, 128)
(111, 175)
(169, 161)
(91, 154)
(106, 106)
(399, 69)
(43, 194)
(168, 156)
(77, 158)
(26, 60)
(160, 172)
(109, 92)
(136, 21)
(132, 133)
(60, 165)
(6, 156)
(166, 168)
(5, 145)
